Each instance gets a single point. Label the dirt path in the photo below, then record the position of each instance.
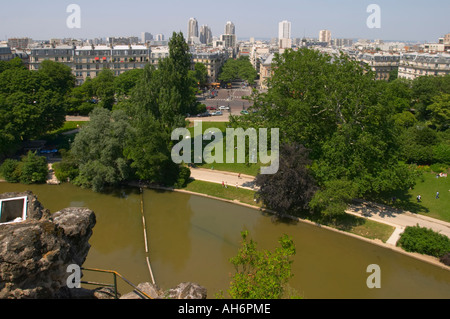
(231, 179)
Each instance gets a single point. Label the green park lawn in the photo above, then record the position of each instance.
(427, 186)
(243, 168)
(349, 223)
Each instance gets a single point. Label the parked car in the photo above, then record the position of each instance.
(217, 113)
(203, 114)
(224, 108)
(211, 108)
(244, 112)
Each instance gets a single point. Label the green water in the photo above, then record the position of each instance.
(192, 238)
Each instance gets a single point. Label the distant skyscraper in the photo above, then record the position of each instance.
(205, 35)
(230, 29)
(159, 37)
(284, 35)
(325, 36)
(192, 30)
(146, 37)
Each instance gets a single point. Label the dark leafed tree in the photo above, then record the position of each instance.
(290, 190)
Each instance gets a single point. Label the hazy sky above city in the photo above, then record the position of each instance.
(408, 20)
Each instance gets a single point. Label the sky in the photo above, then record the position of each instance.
(402, 20)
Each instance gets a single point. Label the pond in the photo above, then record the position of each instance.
(191, 239)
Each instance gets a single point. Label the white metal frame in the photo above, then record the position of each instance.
(25, 206)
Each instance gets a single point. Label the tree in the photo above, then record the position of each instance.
(290, 190)
(125, 82)
(31, 103)
(80, 100)
(334, 198)
(200, 74)
(56, 77)
(238, 69)
(336, 109)
(157, 106)
(99, 150)
(104, 89)
(440, 112)
(261, 274)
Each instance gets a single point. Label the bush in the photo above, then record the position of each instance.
(445, 259)
(183, 177)
(10, 171)
(66, 170)
(438, 168)
(31, 169)
(424, 241)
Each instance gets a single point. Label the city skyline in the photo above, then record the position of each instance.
(402, 21)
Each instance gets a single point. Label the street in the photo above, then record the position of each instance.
(231, 98)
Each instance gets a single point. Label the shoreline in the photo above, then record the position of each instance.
(428, 259)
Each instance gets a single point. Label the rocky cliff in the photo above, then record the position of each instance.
(35, 254)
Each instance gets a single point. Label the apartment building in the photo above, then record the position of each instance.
(6, 53)
(89, 61)
(380, 63)
(413, 65)
(213, 62)
(63, 54)
(266, 71)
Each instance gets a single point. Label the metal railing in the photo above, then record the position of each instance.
(114, 285)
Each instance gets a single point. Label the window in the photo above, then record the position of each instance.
(13, 210)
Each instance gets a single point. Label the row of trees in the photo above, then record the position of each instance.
(133, 140)
(345, 134)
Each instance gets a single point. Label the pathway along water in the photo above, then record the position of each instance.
(191, 238)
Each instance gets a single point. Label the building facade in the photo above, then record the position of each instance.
(206, 36)
(381, 64)
(413, 65)
(193, 34)
(325, 36)
(213, 62)
(284, 35)
(6, 54)
(230, 28)
(88, 61)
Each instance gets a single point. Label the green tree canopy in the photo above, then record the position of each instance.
(98, 150)
(334, 107)
(261, 274)
(238, 69)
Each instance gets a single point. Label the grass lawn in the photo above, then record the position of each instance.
(217, 190)
(426, 187)
(243, 168)
(349, 223)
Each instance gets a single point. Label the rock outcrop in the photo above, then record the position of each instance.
(186, 290)
(35, 254)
